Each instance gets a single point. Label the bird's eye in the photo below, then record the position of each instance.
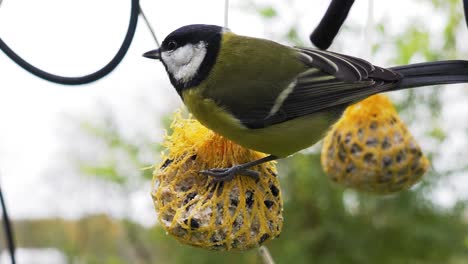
(172, 45)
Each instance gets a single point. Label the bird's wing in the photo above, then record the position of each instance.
(331, 80)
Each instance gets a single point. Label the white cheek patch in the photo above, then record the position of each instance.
(183, 63)
(182, 55)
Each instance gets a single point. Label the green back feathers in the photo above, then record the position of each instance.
(248, 69)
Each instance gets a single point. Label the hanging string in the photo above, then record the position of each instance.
(148, 25)
(226, 13)
(10, 241)
(368, 33)
(265, 255)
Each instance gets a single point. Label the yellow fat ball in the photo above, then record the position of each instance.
(370, 149)
(238, 214)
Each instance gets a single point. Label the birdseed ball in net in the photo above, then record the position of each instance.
(238, 214)
(370, 149)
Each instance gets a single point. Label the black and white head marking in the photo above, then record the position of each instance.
(189, 53)
(183, 62)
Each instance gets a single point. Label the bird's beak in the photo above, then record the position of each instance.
(153, 54)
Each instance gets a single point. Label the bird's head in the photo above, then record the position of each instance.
(189, 53)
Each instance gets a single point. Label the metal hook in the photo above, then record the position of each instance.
(226, 13)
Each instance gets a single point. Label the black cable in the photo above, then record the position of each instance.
(8, 230)
(325, 32)
(336, 14)
(465, 4)
(86, 78)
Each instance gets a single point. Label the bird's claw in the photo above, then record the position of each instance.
(227, 174)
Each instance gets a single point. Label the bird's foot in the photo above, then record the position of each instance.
(227, 174)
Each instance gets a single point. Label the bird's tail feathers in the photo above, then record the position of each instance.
(432, 73)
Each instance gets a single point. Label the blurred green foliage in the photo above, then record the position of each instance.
(323, 222)
(268, 12)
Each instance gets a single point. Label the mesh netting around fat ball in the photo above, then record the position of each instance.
(238, 214)
(370, 149)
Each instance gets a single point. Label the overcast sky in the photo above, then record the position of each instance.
(77, 37)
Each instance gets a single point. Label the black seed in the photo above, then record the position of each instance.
(355, 149)
(235, 243)
(348, 138)
(194, 223)
(237, 223)
(214, 239)
(400, 156)
(387, 161)
(341, 152)
(415, 150)
(166, 163)
(419, 153)
(263, 238)
(274, 190)
(194, 157)
(350, 168)
(369, 158)
(372, 142)
(373, 125)
(386, 143)
(360, 133)
(268, 203)
(189, 197)
(272, 172)
(393, 120)
(234, 202)
(339, 138)
(397, 138)
(249, 200)
(219, 246)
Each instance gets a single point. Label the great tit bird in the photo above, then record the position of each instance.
(274, 98)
